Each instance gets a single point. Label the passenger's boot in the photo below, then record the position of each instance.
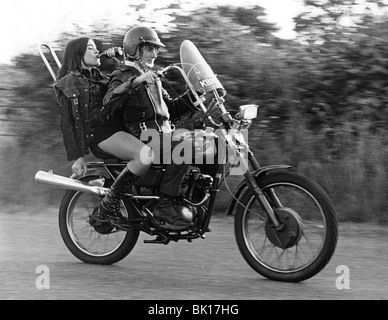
(110, 205)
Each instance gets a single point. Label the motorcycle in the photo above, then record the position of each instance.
(285, 224)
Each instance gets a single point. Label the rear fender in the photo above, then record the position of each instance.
(101, 169)
(243, 186)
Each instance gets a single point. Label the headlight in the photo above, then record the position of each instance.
(248, 111)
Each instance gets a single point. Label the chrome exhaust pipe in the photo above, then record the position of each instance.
(57, 181)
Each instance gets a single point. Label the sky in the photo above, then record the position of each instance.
(25, 23)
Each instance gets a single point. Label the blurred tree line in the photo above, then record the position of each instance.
(323, 96)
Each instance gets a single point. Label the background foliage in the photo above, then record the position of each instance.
(323, 98)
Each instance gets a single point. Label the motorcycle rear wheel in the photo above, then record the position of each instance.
(102, 244)
(307, 238)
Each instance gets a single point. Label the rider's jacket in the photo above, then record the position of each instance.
(146, 106)
(79, 94)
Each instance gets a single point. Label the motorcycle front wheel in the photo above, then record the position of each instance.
(306, 237)
(90, 242)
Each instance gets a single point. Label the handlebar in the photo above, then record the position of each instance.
(217, 101)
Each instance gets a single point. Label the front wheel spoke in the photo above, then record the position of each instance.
(264, 246)
(258, 215)
(299, 256)
(279, 256)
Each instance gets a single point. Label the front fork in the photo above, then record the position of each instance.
(256, 189)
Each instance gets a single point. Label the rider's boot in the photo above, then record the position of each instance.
(172, 219)
(109, 206)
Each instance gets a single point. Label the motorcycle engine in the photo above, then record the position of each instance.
(197, 186)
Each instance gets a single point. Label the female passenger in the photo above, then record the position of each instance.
(80, 90)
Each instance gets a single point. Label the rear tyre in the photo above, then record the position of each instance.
(91, 242)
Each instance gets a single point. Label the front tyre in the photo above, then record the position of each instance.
(306, 238)
(102, 244)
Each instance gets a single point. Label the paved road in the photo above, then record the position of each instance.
(210, 269)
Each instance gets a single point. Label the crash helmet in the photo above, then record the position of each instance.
(137, 36)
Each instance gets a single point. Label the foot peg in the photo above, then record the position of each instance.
(158, 240)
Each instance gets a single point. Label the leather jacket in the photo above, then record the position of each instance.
(72, 92)
(136, 106)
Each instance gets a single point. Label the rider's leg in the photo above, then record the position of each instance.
(170, 190)
(126, 147)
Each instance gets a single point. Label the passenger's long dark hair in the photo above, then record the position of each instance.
(73, 55)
